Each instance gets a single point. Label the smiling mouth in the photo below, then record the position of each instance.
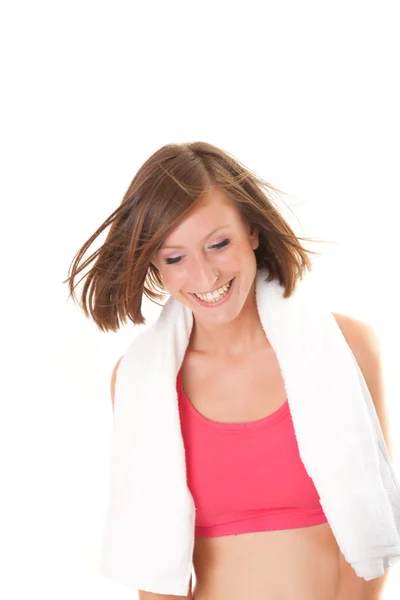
(219, 295)
(212, 291)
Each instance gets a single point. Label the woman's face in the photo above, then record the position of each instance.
(212, 240)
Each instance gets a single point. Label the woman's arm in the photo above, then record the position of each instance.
(113, 379)
(366, 347)
(352, 587)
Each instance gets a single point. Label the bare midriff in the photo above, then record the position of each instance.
(292, 564)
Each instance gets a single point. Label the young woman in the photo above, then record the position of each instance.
(197, 225)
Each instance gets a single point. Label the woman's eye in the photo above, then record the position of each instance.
(172, 261)
(221, 244)
(175, 260)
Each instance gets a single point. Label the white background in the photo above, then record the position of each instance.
(305, 93)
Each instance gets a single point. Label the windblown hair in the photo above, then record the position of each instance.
(162, 193)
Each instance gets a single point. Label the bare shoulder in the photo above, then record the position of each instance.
(113, 380)
(360, 336)
(350, 325)
(365, 344)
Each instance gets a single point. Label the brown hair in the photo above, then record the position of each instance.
(164, 190)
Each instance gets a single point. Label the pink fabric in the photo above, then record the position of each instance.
(246, 477)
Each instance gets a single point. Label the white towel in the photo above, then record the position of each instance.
(149, 533)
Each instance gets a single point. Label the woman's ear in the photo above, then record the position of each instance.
(254, 236)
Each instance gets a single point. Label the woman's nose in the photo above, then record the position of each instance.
(206, 276)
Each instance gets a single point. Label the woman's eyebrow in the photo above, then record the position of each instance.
(204, 238)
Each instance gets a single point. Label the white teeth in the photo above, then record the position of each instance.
(217, 295)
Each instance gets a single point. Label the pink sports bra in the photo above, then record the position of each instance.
(246, 477)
